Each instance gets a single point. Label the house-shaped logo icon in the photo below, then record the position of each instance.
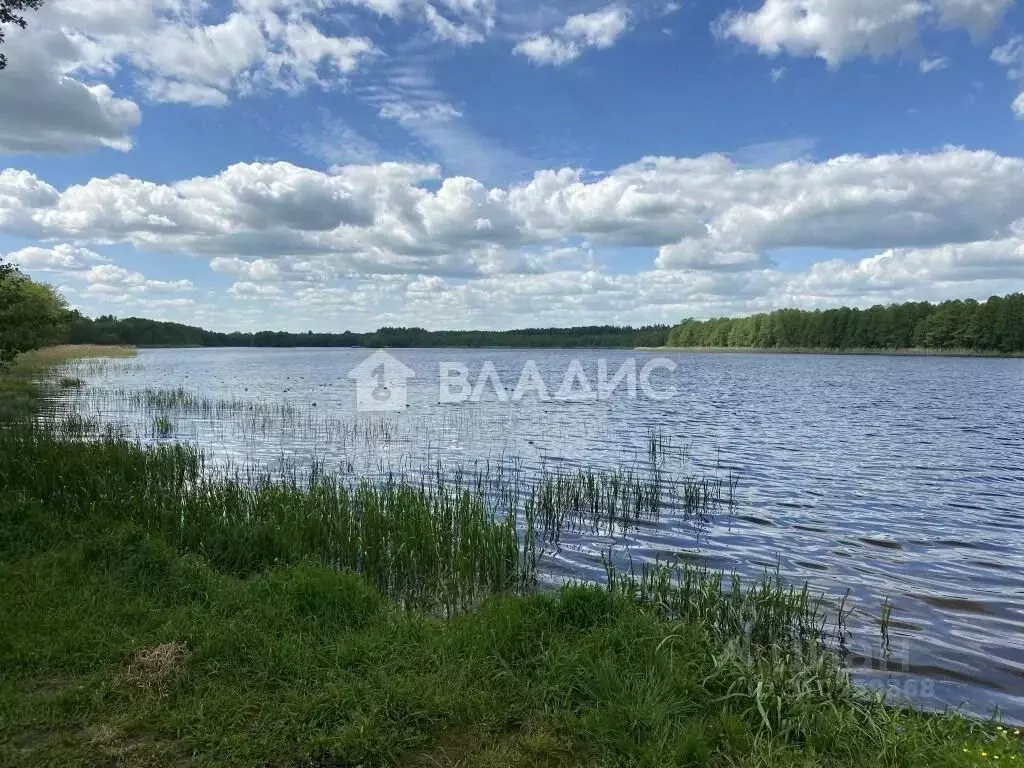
(381, 383)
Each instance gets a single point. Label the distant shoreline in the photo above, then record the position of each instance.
(911, 352)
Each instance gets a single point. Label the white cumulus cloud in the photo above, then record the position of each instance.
(59, 258)
(45, 108)
(110, 278)
(600, 29)
(1010, 55)
(57, 94)
(838, 30)
(933, 65)
(399, 242)
(707, 211)
(254, 291)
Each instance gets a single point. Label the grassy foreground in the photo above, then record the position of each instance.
(151, 617)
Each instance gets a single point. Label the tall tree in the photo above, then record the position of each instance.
(32, 315)
(12, 12)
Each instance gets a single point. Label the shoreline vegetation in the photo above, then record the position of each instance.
(953, 328)
(140, 332)
(20, 392)
(856, 352)
(154, 614)
(40, 360)
(958, 327)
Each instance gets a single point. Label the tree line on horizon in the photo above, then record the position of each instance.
(33, 315)
(994, 326)
(140, 332)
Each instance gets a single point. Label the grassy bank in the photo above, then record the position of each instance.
(47, 357)
(909, 352)
(150, 616)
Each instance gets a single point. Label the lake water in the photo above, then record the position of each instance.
(894, 478)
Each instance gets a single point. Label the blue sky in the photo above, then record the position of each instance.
(476, 163)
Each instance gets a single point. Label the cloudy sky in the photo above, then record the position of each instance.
(331, 165)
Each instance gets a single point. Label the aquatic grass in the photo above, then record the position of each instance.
(163, 427)
(885, 621)
(23, 383)
(442, 543)
(99, 367)
(438, 540)
(163, 398)
(619, 500)
(252, 416)
(74, 426)
(557, 499)
(765, 613)
(426, 546)
(660, 446)
(254, 420)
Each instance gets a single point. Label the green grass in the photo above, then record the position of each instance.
(436, 546)
(19, 398)
(150, 617)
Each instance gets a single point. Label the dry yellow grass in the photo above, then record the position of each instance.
(153, 666)
(48, 356)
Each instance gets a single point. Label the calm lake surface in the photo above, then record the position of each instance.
(894, 478)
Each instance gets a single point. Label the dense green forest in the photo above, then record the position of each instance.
(141, 333)
(996, 326)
